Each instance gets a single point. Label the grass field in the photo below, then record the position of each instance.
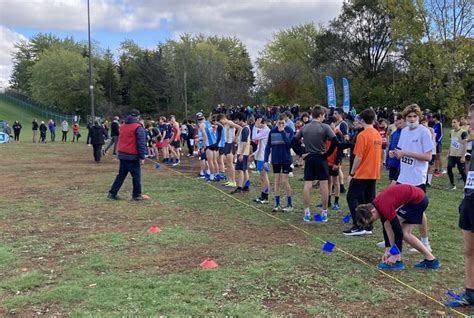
(65, 250)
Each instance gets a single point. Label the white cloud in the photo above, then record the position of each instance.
(7, 39)
(253, 21)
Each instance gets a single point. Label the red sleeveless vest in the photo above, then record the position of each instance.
(127, 142)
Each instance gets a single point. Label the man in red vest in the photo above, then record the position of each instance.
(131, 153)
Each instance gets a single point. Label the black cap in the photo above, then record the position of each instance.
(134, 112)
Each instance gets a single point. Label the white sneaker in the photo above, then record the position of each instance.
(414, 250)
(291, 174)
(381, 244)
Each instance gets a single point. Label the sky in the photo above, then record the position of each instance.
(149, 22)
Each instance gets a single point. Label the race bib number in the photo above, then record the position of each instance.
(408, 161)
(455, 144)
(470, 181)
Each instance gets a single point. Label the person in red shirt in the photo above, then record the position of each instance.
(399, 207)
(334, 164)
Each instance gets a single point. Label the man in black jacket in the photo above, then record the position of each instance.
(97, 139)
(43, 129)
(34, 128)
(114, 135)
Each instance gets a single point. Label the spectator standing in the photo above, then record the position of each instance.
(131, 153)
(34, 128)
(97, 138)
(43, 129)
(114, 135)
(64, 130)
(52, 130)
(16, 130)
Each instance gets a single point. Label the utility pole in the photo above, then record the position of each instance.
(185, 95)
(91, 86)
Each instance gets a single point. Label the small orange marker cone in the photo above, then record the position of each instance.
(209, 264)
(154, 229)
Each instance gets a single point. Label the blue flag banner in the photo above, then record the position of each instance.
(331, 92)
(346, 102)
(3, 138)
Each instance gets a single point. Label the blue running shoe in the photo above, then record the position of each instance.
(307, 218)
(335, 207)
(324, 217)
(398, 266)
(218, 177)
(460, 301)
(426, 264)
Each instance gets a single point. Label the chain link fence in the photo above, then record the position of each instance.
(40, 110)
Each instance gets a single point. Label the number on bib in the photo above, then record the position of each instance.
(470, 181)
(408, 161)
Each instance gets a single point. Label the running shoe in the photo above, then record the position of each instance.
(237, 190)
(414, 250)
(451, 187)
(335, 207)
(277, 209)
(381, 244)
(113, 197)
(426, 264)
(397, 266)
(288, 209)
(177, 163)
(354, 231)
(461, 301)
(261, 201)
(307, 218)
(324, 217)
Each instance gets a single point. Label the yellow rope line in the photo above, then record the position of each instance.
(323, 241)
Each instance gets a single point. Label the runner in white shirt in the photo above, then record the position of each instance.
(261, 137)
(414, 150)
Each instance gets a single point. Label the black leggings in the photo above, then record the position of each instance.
(452, 162)
(17, 135)
(64, 137)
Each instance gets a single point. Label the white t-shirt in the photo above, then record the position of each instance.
(413, 171)
(262, 137)
(230, 135)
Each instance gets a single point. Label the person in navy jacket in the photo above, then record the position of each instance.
(279, 146)
(131, 153)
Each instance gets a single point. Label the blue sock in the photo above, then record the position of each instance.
(288, 201)
(277, 200)
(247, 184)
(265, 190)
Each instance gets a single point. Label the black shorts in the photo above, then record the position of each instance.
(242, 165)
(332, 172)
(420, 186)
(439, 148)
(466, 214)
(221, 150)
(175, 144)
(413, 213)
(281, 168)
(393, 173)
(213, 147)
(202, 154)
(316, 168)
(228, 147)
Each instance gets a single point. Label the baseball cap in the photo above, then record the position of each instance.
(199, 116)
(134, 112)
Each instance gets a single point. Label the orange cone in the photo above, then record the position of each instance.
(209, 264)
(154, 229)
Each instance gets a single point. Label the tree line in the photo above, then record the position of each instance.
(392, 51)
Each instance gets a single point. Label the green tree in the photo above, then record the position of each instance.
(59, 78)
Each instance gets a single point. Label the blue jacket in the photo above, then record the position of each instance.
(394, 162)
(141, 142)
(279, 145)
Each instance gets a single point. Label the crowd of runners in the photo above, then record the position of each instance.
(332, 151)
